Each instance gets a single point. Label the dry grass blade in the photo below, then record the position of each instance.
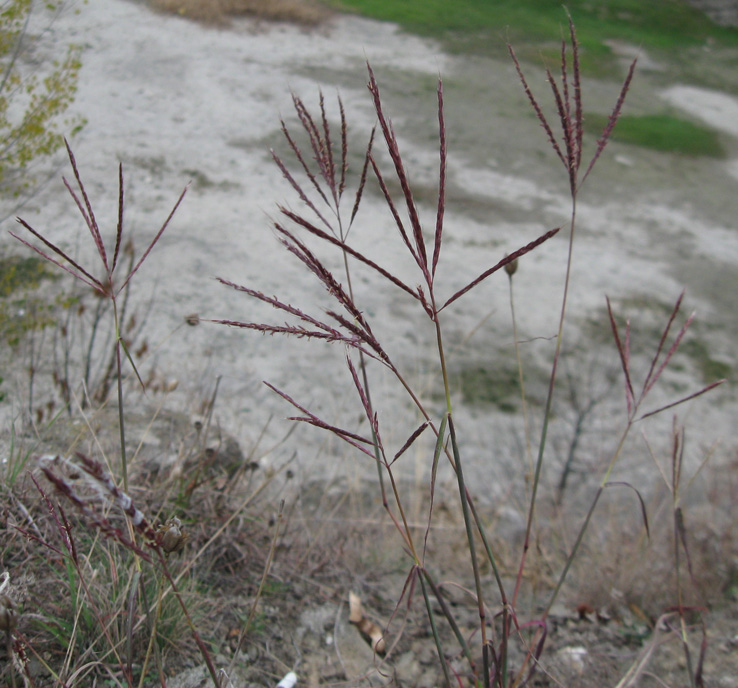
(578, 110)
(89, 215)
(565, 83)
(644, 513)
(279, 305)
(537, 652)
(352, 252)
(371, 415)
(410, 440)
(434, 474)
(344, 148)
(153, 241)
(313, 137)
(352, 438)
(119, 229)
(93, 518)
(78, 272)
(325, 276)
(362, 179)
(672, 350)
(681, 530)
(698, 674)
(395, 214)
(562, 106)
(293, 182)
(330, 163)
(704, 390)
(650, 378)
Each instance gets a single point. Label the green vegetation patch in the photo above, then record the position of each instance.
(21, 312)
(668, 24)
(487, 386)
(662, 133)
(710, 368)
(22, 273)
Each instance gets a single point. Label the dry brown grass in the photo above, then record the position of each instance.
(219, 12)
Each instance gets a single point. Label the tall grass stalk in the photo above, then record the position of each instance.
(568, 148)
(110, 285)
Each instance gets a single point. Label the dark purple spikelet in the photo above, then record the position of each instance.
(568, 101)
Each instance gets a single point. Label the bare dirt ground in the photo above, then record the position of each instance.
(179, 103)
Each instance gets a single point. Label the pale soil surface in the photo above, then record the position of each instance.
(179, 103)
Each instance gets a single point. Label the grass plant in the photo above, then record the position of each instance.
(123, 579)
(110, 286)
(322, 187)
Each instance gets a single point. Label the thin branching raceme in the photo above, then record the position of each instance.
(110, 285)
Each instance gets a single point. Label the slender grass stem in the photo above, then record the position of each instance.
(472, 545)
(195, 635)
(549, 399)
(121, 415)
(260, 590)
(434, 631)
(521, 378)
(450, 618)
(152, 646)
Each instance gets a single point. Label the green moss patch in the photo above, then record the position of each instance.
(710, 368)
(666, 25)
(20, 310)
(479, 385)
(22, 273)
(664, 133)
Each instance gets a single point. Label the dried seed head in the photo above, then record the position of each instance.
(8, 614)
(193, 319)
(511, 267)
(171, 537)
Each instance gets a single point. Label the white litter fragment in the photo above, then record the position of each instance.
(288, 681)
